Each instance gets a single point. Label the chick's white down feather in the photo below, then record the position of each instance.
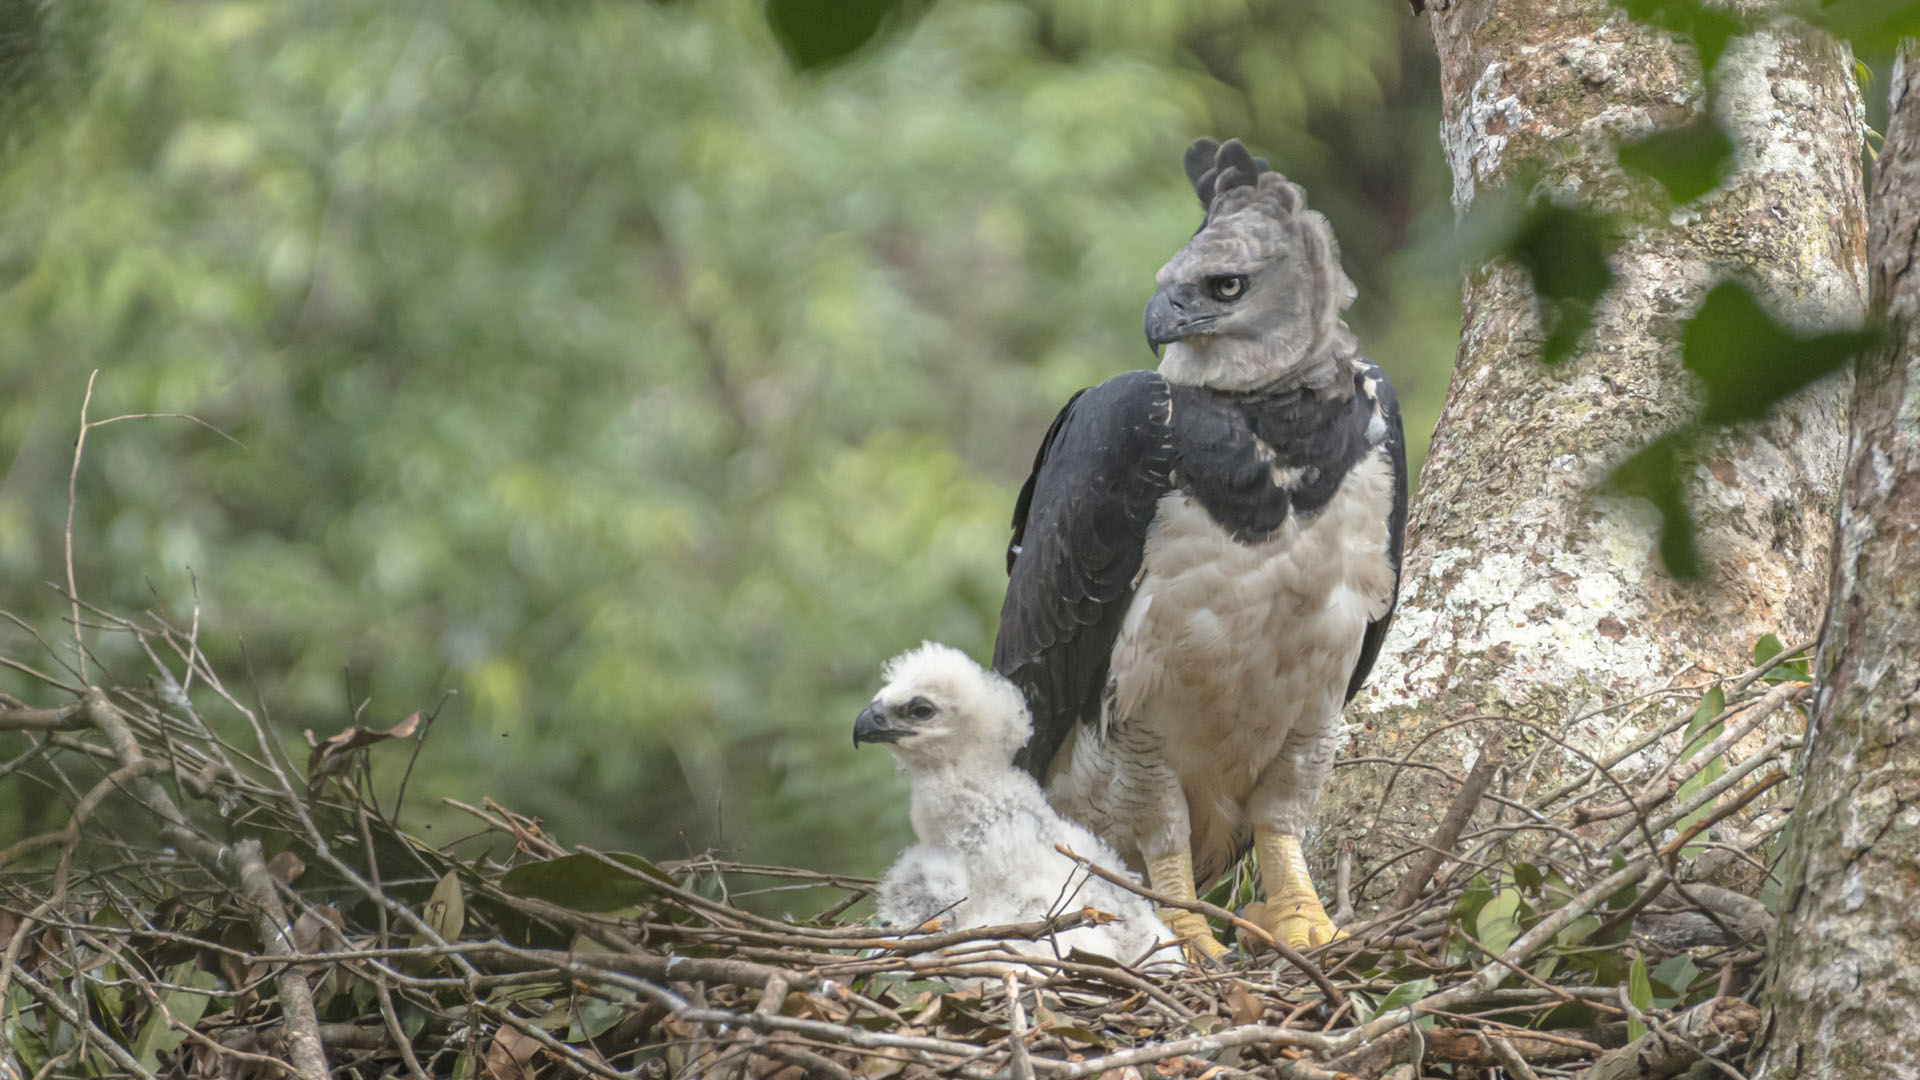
(987, 835)
(923, 883)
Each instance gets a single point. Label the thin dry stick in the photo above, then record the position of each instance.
(1021, 1065)
(61, 719)
(1421, 870)
(73, 486)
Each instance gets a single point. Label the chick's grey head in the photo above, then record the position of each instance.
(1254, 299)
(940, 707)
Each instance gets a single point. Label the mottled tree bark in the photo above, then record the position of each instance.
(1525, 593)
(1846, 961)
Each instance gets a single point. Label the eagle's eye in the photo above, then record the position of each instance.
(920, 709)
(1228, 287)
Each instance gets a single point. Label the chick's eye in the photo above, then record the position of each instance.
(1227, 286)
(920, 708)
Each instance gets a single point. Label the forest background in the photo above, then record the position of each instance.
(601, 365)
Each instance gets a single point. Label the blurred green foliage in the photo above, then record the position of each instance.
(590, 361)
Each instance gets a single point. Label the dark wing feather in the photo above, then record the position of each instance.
(1396, 522)
(1079, 535)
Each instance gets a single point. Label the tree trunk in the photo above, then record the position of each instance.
(1846, 974)
(1524, 593)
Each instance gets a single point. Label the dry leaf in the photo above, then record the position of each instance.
(509, 1054)
(331, 756)
(286, 867)
(1246, 1008)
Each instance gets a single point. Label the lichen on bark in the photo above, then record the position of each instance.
(1524, 592)
(1845, 977)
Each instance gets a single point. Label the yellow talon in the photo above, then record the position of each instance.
(1292, 913)
(1197, 942)
(1173, 876)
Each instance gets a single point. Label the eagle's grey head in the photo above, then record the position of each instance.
(939, 707)
(1254, 299)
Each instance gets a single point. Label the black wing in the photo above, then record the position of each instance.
(1382, 392)
(1079, 536)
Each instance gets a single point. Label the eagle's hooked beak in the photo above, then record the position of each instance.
(871, 726)
(1171, 316)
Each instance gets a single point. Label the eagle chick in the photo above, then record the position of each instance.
(987, 835)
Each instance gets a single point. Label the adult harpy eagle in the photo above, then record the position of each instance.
(1205, 558)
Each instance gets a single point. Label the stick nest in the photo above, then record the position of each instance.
(212, 908)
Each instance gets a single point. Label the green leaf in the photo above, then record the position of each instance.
(1677, 974)
(1640, 992)
(156, 1035)
(1701, 729)
(1747, 360)
(1498, 923)
(594, 1015)
(22, 1034)
(1576, 931)
(1528, 877)
(1868, 24)
(820, 33)
(1564, 249)
(1795, 670)
(584, 883)
(1475, 897)
(1406, 994)
(1657, 473)
(1709, 27)
(1687, 161)
(413, 1019)
(446, 910)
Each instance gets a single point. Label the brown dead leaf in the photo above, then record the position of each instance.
(310, 930)
(286, 867)
(879, 1063)
(825, 1009)
(1128, 1073)
(1098, 917)
(1246, 1008)
(331, 755)
(509, 1055)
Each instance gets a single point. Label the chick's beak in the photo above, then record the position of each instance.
(871, 726)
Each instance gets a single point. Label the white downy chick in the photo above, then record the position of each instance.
(954, 728)
(923, 883)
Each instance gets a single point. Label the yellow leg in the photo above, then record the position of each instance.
(1292, 912)
(1173, 876)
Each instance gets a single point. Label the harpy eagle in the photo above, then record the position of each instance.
(1205, 558)
(986, 854)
